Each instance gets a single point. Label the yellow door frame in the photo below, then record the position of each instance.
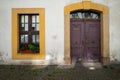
(87, 5)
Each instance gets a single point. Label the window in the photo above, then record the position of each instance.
(28, 33)
(84, 15)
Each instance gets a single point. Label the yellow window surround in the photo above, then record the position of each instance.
(15, 33)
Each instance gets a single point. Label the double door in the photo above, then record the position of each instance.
(85, 40)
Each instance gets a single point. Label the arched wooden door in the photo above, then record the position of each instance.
(85, 36)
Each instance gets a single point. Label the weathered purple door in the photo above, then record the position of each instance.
(85, 40)
(76, 39)
(92, 40)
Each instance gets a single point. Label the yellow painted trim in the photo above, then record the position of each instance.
(15, 33)
(88, 5)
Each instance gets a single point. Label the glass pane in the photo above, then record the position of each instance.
(94, 16)
(38, 18)
(80, 15)
(26, 19)
(33, 24)
(83, 15)
(26, 27)
(91, 15)
(76, 15)
(22, 19)
(87, 15)
(37, 27)
(33, 38)
(37, 38)
(22, 25)
(33, 19)
(22, 38)
(26, 38)
(73, 15)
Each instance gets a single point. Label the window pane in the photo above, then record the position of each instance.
(72, 15)
(22, 19)
(26, 19)
(37, 38)
(26, 38)
(94, 16)
(33, 24)
(22, 25)
(26, 27)
(83, 15)
(80, 15)
(38, 18)
(33, 38)
(22, 38)
(33, 19)
(37, 27)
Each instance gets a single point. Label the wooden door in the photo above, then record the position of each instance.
(76, 39)
(92, 40)
(85, 40)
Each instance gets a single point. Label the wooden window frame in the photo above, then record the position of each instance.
(30, 31)
(15, 33)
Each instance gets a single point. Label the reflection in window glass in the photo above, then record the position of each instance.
(37, 18)
(26, 38)
(22, 25)
(37, 27)
(26, 27)
(85, 15)
(33, 24)
(22, 38)
(26, 19)
(22, 19)
(33, 38)
(33, 19)
(94, 16)
(37, 38)
(80, 15)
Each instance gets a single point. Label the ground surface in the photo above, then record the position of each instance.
(78, 72)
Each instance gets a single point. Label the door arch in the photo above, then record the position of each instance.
(87, 5)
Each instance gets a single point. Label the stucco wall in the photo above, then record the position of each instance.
(54, 26)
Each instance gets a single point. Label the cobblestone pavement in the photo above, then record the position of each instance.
(78, 72)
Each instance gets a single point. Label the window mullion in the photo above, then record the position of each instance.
(30, 29)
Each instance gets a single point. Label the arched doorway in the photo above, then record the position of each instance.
(104, 29)
(85, 36)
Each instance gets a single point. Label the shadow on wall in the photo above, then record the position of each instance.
(3, 57)
(52, 57)
(114, 56)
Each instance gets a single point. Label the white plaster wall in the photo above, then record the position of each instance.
(54, 26)
(114, 29)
